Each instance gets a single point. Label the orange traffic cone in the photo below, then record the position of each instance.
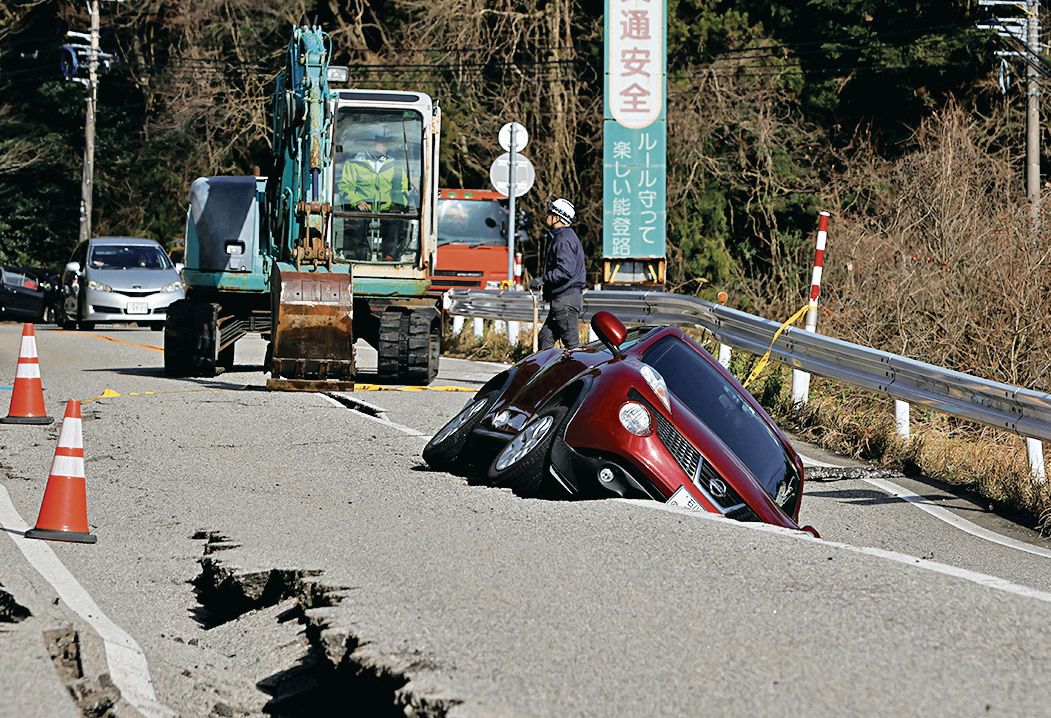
(64, 511)
(27, 396)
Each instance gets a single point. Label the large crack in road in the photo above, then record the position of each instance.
(332, 671)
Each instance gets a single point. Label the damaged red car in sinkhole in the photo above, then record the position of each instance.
(645, 413)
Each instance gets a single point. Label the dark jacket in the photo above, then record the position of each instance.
(563, 263)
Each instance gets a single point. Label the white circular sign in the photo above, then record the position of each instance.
(500, 174)
(521, 137)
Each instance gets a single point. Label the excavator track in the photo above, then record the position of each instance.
(409, 346)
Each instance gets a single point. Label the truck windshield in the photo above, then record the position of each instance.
(466, 221)
(378, 169)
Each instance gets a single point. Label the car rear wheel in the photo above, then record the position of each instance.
(522, 464)
(443, 450)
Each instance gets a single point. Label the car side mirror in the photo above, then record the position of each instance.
(611, 331)
(73, 267)
(179, 266)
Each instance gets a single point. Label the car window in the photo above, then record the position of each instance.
(13, 279)
(128, 256)
(717, 403)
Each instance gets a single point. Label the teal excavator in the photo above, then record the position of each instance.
(335, 244)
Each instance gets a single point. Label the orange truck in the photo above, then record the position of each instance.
(472, 239)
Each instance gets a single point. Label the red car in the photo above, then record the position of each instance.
(644, 414)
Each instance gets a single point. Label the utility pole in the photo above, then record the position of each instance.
(88, 177)
(1032, 124)
(1022, 35)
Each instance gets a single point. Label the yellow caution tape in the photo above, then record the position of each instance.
(766, 357)
(114, 394)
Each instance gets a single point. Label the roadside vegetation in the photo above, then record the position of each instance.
(887, 113)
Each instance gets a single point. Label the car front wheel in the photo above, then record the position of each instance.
(443, 450)
(522, 464)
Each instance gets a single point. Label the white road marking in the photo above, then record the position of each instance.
(982, 579)
(943, 514)
(379, 420)
(127, 663)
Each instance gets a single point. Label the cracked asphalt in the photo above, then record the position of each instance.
(478, 602)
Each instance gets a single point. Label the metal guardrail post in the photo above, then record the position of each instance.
(458, 322)
(1034, 449)
(479, 328)
(513, 330)
(901, 418)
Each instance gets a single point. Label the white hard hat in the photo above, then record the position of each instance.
(563, 209)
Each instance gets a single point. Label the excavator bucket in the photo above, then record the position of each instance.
(312, 347)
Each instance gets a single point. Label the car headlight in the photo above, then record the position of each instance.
(174, 286)
(636, 418)
(656, 382)
(99, 286)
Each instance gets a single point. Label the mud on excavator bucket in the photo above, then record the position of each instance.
(312, 346)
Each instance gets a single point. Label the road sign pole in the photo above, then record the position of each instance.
(511, 209)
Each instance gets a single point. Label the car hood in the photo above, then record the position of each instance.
(144, 279)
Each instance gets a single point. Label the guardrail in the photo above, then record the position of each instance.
(1016, 409)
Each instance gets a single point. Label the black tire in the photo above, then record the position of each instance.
(443, 450)
(527, 474)
(424, 347)
(226, 357)
(190, 334)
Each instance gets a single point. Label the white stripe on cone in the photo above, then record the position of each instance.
(27, 370)
(71, 437)
(28, 348)
(72, 466)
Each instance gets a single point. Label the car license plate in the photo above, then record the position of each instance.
(138, 308)
(684, 500)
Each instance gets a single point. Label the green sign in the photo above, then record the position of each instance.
(634, 191)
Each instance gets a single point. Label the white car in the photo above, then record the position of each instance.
(119, 279)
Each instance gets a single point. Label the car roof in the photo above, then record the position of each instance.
(124, 241)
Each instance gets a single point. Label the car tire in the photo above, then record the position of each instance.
(86, 326)
(526, 472)
(445, 447)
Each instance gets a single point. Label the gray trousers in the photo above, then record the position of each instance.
(562, 321)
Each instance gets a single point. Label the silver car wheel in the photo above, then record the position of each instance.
(524, 442)
(468, 411)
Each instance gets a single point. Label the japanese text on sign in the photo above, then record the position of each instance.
(635, 62)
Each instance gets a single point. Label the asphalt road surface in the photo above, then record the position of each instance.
(289, 554)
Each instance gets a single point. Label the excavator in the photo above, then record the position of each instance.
(334, 244)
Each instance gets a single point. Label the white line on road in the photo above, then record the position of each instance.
(378, 419)
(127, 663)
(982, 579)
(943, 514)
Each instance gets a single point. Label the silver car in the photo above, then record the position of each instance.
(119, 279)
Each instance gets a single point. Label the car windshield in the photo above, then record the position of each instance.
(718, 404)
(128, 256)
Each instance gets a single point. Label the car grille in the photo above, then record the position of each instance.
(102, 309)
(676, 444)
(135, 292)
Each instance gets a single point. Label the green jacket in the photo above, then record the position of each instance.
(360, 181)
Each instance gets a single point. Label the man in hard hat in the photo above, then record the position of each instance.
(563, 277)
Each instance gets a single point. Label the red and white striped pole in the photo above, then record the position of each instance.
(801, 379)
(518, 271)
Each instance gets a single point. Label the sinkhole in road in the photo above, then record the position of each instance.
(329, 673)
(11, 611)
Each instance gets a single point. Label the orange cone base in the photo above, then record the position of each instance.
(26, 420)
(51, 535)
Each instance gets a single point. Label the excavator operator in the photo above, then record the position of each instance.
(373, 181)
